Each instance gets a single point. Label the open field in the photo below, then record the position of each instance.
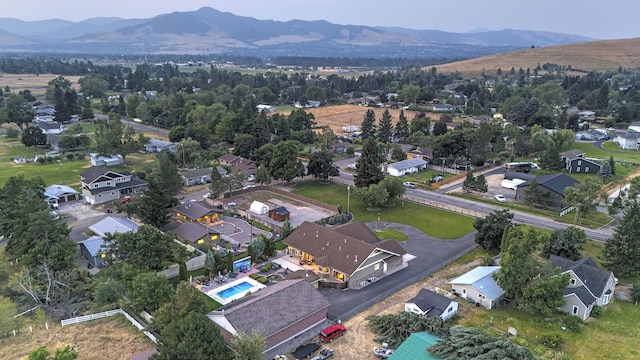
(596, 55)
(37, 84)
(109, 338)
(352, 115)
(434, 222)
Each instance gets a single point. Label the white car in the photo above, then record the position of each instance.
(500, 198)
(206, 196)
(409, 185)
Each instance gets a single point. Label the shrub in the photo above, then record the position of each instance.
(552, 341)
(254, 276)
(572, 323)
(520, 341)
(262, 280)
(70, 156)
(42, 160)
(266, 267)
(596, 312)
(635, 292)
(80, 156)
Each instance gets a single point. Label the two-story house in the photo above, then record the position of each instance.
(246, 166)
(588, 285)
(575, 162)
(100, 185)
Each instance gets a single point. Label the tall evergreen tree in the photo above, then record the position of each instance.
(402, 128)
(87, 110)
(368, 170)
(621, 252)
(63, 113)
(385, 128)
(368, 127)
(191, 337)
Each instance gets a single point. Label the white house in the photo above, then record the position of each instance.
(479, 286)
(408, 166)
(265, 108)
(628, 141)
(51, 127)
(431, 304)
(157, 145)
(100, 160)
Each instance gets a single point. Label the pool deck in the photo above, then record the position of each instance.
(213, 293)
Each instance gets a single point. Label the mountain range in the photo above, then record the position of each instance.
(209, 31)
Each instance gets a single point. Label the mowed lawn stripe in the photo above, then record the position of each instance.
(434, 222)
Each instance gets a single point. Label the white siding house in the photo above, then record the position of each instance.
(408, 166)
(479, 286)
(432, 304)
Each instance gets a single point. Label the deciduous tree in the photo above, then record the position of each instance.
(491, 228)
(248, 347)
(567, 243)
(321, 166)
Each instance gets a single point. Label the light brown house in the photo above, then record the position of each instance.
(341, 258)
(191, 211)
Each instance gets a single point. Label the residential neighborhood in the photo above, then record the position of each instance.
(308, 212)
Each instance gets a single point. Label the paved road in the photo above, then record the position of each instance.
(138, 126)
(431, 255)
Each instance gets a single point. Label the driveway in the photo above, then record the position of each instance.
(80, 216)
(431, 255)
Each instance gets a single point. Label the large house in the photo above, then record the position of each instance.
(479, 286)
(423, 153)
(431, 304)
(286, 314)
(196, 233)
(588, 286)
(246, 166)
(408, 166)
(554, 184)
(100, 185)
(575, 162)
(191, 211)
(196, 176)
(349, 261)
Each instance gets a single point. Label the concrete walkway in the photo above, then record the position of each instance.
(431, 255)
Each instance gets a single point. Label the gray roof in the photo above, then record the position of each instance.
(582, 293)
(554, 182)
(113, 225)
(193, 210)
(432, 303)
(58, 190)
(586, 269)
(360, 231)
(94, 172)
(193, 231)
(404, 164)
(510, 175)
(274, 308)
(196, 173)
(134, 182)
(572, 154)
(482, 279)
(93, 245)
(49, 125)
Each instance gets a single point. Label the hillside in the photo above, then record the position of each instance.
(595, 55)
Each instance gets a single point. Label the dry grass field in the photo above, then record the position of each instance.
(110, 338)
(596, 55)
(37, 84)
(352, 115)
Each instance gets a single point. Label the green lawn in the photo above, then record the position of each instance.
(386, 234)
(437, 223)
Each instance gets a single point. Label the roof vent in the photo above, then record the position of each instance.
(356, 259)
(316, 233)
(345, 240)
(347, 256)
(340, 248)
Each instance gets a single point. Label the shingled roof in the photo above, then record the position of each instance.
(586, 269)
(430, 301)
(193, 210)
(554, 182)
(359, 230)
(273, 308)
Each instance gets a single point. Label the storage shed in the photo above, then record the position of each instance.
(279, 214)
(259, 208)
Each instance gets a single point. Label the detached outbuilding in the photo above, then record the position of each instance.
(259, 208)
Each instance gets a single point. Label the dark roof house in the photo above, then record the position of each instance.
(194, 212)
(431, 304)
(281, 313)
(554, 184)
(100, 185)
(588, 285)
(196, 176)
(196, 233)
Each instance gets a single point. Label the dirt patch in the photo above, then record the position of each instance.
(112, 338)
(358, 341)
(37, 84)
(352, 115)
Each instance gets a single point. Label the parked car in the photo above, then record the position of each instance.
(251, 178)
(206, 196)
(231, 204)
(500, 198)
(323, 354)
(437, 178)
(409, 185)
(332, 332)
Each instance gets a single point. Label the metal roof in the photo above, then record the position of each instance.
(113, 225)
(93, 245)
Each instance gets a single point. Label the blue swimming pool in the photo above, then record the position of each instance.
(234, 290)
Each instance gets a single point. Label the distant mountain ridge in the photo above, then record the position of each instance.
(209, 31)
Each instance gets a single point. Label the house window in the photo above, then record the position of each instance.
(578, 169)
(574, 311)
(572, 281)
(605, 299)
(450, 310)
(586, 169)
(376, 266)
(579, 162)
(480, 296)
(464, 291)
(108, 183)
(96, 185)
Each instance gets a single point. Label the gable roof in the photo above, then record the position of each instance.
(586, 269)
(196, 173)
(482, 279)
(329, 247)
(571, 154)
(415, 347)
(93, 245)
(358, 230)
(49, 125)
(425, 151)
(94, 172)
(113, 225)
(554, 182)
(582, 293)
(430, 301)
(588, 161)
(192, 210)
(193, 231)
(263, 311)
(57, 190)
(404, 164)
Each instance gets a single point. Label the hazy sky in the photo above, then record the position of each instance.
(592, 18)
